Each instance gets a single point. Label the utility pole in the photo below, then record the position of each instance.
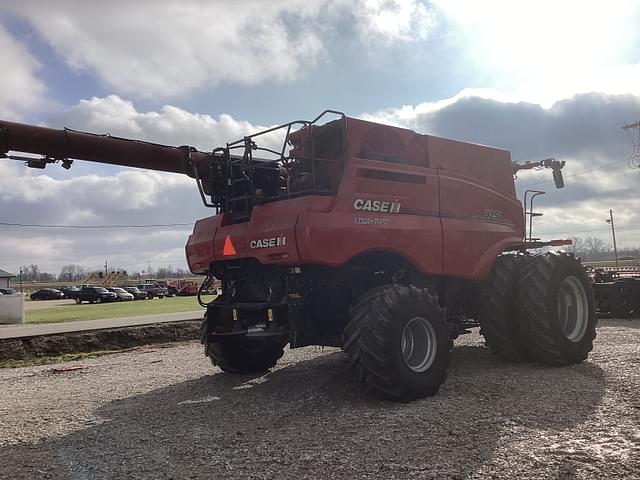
(149, 268)
(613, 233)
(106, 269)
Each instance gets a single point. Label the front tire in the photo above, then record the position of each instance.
(398, 342)
(557, 298)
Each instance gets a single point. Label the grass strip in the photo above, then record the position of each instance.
(84, 311)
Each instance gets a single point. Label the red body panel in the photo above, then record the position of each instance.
(199, 247)
(447, 206)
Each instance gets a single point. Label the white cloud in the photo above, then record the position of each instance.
(547, 50)
(167, 48)
(407, 20)
(170, 125)
(130, 197)
(162, 49)
(20, 88)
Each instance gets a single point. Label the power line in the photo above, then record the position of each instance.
(37, 225)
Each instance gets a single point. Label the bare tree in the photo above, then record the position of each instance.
(71, 273)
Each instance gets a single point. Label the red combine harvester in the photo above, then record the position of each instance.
(372, 238)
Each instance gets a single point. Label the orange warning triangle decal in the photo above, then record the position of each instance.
(228, 249)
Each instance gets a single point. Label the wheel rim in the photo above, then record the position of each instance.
(573, 309)
(418, 344)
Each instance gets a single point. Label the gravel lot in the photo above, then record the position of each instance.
(166, 413)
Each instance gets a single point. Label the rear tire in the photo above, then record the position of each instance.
(557, 298)
(503, 327)
(245, 355)
(398, 342)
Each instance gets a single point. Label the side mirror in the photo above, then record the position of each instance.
(557, 178)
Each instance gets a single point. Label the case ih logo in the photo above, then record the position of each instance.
(382, 206)
(268, 242)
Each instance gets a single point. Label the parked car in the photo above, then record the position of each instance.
(69, 292)
(137, 293)
(153, 291)
(95, 295)
(121, 293)
(8, 291)
(47, 294)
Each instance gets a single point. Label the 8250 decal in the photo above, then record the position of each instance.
(491, 213)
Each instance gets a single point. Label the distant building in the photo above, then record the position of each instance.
(4, 278)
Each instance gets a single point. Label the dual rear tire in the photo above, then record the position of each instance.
(557, 299)
(504, 327)
(539, 308)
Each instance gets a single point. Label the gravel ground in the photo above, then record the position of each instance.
(166, 413)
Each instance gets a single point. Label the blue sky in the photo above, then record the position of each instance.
(541, 78)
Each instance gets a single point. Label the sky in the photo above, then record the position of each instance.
(540, 78)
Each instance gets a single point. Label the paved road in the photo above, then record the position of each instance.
(32, 330)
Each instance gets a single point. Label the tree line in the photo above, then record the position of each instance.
(77, 273)
(594, 249)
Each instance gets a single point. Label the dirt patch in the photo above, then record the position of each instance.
(97, 340)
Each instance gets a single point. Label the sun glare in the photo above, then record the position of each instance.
(546, 49)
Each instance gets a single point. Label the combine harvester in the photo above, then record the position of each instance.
(376, 239)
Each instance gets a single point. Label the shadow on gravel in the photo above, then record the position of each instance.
(308, 420)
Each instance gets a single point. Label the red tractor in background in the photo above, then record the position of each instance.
(373, 238)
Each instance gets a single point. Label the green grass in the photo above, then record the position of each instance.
(84, 311)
